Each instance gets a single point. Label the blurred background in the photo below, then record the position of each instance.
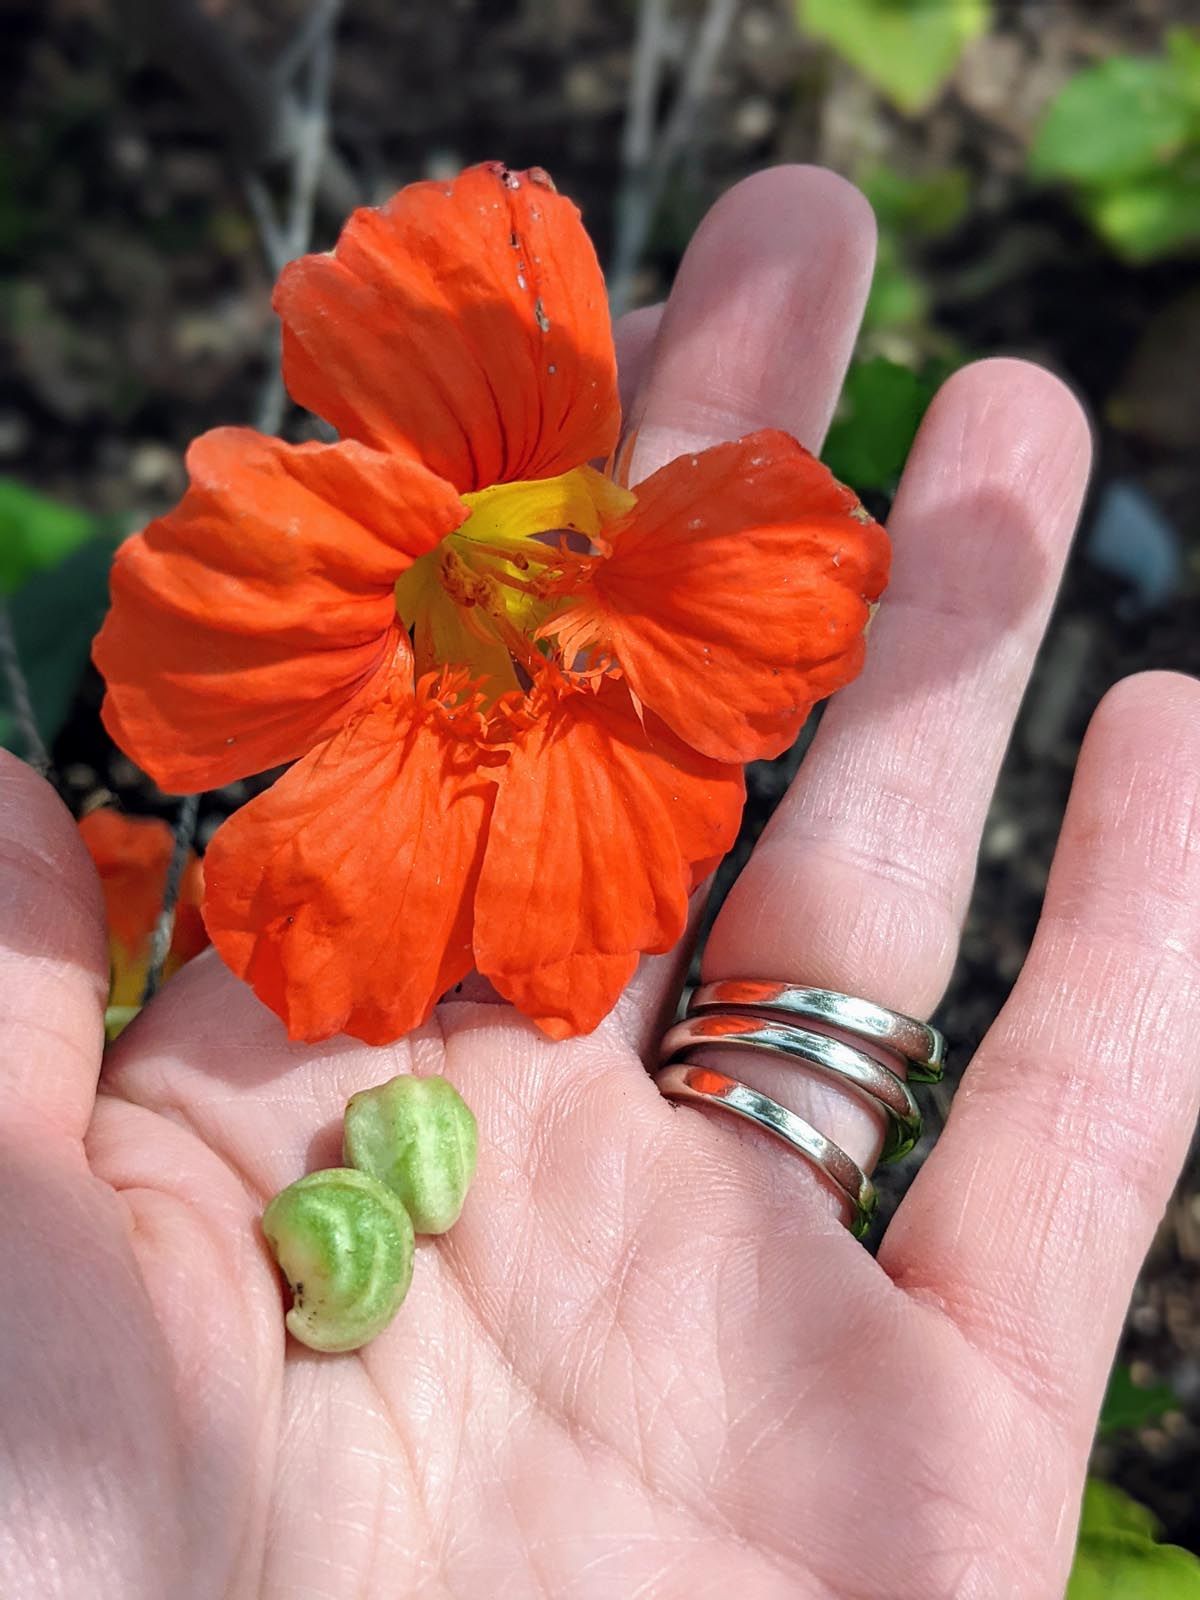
(1036, 173)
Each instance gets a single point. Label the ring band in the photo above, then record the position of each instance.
(859, 1071)
(702, 1085)
(755, 1014)
(922, 1047)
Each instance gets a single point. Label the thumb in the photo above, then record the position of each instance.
(53, 960)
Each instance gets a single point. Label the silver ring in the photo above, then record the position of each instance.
(754, 1014)
(859, 1071)
(922, 1047)
(703, 1086)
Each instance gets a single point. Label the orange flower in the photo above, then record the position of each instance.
(132, 855)
(518, 696)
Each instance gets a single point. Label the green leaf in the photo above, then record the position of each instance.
(36, 533)
(907, 48)
(1107, 1509)
(1151, 216)
(1117, 1558)
(1183, 51)
(54, 616)
(881, 408)
(1119, 119)
(1125, 1566)
(898, 297)
(1126, 1405)
(926, 207)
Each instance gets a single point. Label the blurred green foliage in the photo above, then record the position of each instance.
(885, 395)
(899, 296)
(880, 410)
(54, 563)
(1118, 1557)
(36, 533)
(1125, 134)
(908, 210)
(1126, 1405)
(926, 206)
(906, 48)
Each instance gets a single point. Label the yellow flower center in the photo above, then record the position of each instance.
(478, 599)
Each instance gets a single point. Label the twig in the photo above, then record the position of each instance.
(649, 170)
(19, 697)
(283, 241)
(314, 127)
(637, 143)
(296, 52)
(710, 41)
(254, 107)
(270, 234)
(164, 928)
(649, 52)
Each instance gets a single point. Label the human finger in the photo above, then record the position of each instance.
(861, 880)
(53, 959)
(634, 335)
(757, 332)
(762, 317)
(1029, 1221)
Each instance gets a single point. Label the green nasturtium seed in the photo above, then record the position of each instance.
(345, 1244)
(419, 1137)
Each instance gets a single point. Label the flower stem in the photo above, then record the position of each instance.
(160, 944)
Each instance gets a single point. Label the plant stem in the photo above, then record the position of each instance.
(160, 942)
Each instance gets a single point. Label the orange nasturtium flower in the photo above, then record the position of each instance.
(515, 750)
(132, 855)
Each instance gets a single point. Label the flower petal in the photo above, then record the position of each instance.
(465, 323)
(131, 855)
(343, 894)
(737, 593)
(597, 822)
(255, 617)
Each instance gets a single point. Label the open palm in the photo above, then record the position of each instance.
(649, 1360)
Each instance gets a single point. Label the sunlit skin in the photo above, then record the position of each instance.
(648, 1360)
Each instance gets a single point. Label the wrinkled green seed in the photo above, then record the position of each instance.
(418, 1136)
(345, 1245)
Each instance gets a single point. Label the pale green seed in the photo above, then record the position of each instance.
(345, 1244)
(419, 1137)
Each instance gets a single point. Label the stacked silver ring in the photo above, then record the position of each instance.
(749, 1014)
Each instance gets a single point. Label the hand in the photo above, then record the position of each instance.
(650, 1360)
